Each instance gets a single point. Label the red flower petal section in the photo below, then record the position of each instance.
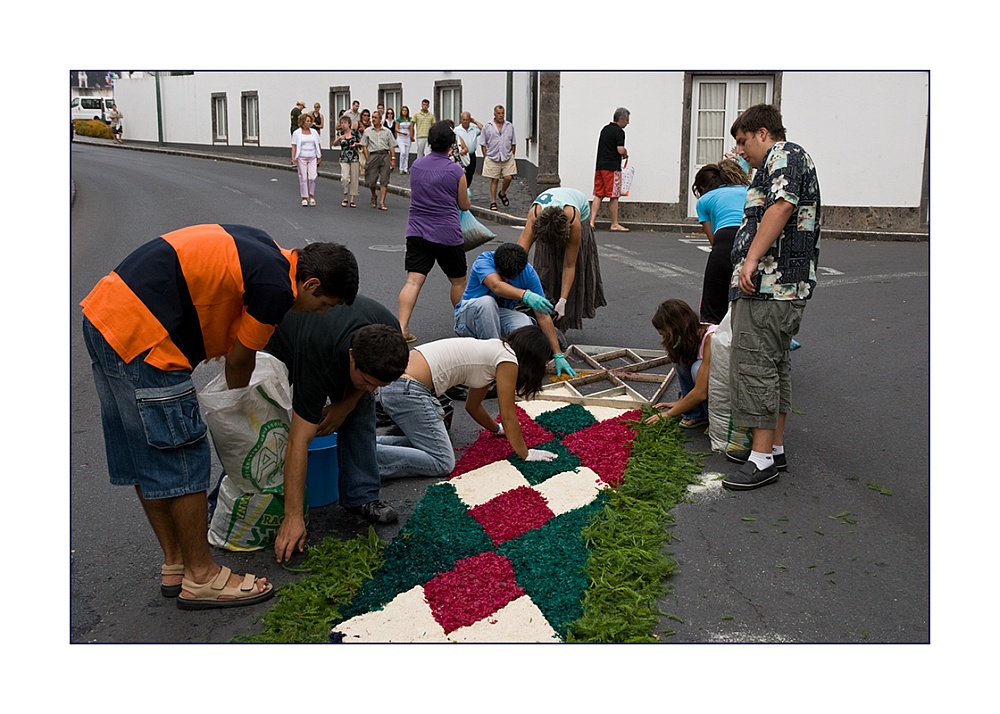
(605, 447)
(512, 513)
(476, 588)
(489, 448)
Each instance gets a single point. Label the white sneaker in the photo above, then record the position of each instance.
(312, 201)
(305, 202)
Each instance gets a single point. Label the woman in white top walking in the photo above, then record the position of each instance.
(307, 154)
(403, 138)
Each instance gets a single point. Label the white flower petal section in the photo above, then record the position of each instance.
(480, 485)
(570, 490)
(537, 407)
(407, 618)
(605, 413)
(518, 621)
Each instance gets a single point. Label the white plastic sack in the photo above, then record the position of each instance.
(245, 521)
(628, 175)
(722, 432)
(249, 428)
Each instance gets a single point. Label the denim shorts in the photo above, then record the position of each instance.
(154, 435)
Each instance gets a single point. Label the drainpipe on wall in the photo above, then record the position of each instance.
(159, 113)
(510, 96)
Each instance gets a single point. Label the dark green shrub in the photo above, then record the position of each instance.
(95, 128)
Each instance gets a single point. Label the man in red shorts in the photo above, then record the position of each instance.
(608, 176)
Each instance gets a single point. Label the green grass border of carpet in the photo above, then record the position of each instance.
(307, 609)
(626, 569)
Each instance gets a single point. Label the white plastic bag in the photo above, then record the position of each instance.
(722, 432)
(245, 521)
(628, 174)
(249, 428)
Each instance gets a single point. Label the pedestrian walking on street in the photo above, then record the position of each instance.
(318, 121)
(116, 124)
(611, 152)
(422, 123)
(294, 116)
(307, 154)
(379, 147)
(404, 138)
(468, 130)
(499, 144)
(350, 166)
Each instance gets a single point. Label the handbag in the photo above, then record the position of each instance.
(628, 173)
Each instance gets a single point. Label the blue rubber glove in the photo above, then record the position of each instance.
(562, 365)
(536, 302)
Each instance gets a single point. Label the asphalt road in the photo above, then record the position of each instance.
(837, 551)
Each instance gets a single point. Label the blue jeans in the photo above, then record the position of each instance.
(425, 449)
(359, 481)
(154, 436)
(686, 376)
(484, 319)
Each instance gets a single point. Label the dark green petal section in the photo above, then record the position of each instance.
(549, 564)
(439, 533)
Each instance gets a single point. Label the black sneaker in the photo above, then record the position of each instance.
(458, 393)
(741, 456)
(750, 477)
(375, 511)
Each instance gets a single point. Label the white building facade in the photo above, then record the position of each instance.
(867, 131)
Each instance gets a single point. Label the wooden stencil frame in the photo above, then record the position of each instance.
(618, 393)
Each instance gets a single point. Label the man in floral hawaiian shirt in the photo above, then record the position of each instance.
(775, 254)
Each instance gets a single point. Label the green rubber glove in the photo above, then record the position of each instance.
(536, 302)
(562, 365)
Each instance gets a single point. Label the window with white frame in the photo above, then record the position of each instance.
(220, 119)
(449, 100)
(340, 102)
(391, 95)
(717, 100)
(251, 118)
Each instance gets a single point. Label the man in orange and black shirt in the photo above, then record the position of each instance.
(190, 295)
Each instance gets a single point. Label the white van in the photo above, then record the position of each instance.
(91, 108)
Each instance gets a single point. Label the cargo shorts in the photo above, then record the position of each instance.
(154, 436)
(760, 365)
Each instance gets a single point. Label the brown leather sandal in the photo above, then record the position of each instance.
(207, 595)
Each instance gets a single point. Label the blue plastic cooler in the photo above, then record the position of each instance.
(323, 471)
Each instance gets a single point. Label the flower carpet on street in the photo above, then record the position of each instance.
(512, 551)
